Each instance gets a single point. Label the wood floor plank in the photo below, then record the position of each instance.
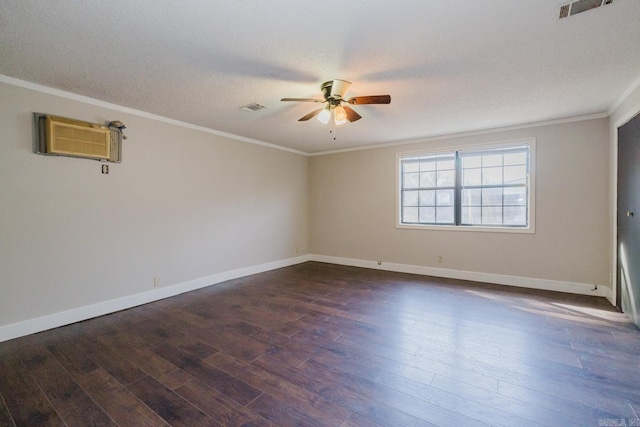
(219, 407)
(378, 394)
(229, 385)
(157, 367)
(505, 404)
(350, 359)
(172, 408)
(5, 416)
(323, 412)
(76, 362)
(113, 361)
(292, 357)
(24, 400)
(567, 404)
(280, 412)
(325, 387)
(356, 420)
(73, 404)
(118, 402)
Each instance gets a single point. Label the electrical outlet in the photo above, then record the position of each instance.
(440, 259)
(156, 282)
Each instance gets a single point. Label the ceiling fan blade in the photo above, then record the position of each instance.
(373, 99)
(302, 100)
(352, 116)
(310, 115)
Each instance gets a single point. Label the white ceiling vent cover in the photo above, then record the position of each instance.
(580, 6)
(253, 107)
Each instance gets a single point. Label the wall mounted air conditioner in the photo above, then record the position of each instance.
(580, 6)
(61, 136)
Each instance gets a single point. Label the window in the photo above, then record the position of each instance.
(479, 187)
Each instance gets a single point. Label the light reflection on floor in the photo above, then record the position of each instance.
(558, 310)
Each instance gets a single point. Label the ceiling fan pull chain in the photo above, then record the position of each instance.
(332, 124)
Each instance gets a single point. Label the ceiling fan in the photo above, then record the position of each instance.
(333, 92)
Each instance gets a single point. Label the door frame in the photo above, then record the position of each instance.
(633, 112)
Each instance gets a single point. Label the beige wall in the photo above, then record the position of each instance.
(353, 210)
(182, 205)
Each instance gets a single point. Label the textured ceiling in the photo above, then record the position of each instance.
(450, 66)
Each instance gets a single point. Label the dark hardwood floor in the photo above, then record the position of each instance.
(325, 345)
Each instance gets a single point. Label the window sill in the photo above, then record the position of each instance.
(480, 228)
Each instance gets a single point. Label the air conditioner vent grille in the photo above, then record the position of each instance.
(580, 6)
(76, 138)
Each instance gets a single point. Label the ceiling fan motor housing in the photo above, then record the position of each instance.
(335, 89)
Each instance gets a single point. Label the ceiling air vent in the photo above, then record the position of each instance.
(253, 107)
(580, 6)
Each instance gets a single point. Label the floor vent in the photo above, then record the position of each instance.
(580, 6)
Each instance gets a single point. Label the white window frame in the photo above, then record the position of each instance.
(530, 228)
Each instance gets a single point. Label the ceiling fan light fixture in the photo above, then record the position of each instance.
(340, 115)
(324, 116)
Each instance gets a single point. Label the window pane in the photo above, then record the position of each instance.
(515, 215)
(444, 198)
(492, 176)
(444, 215)
(410, 167)
(471, 177)
(410, 198)
(492, 197)
(428, 166)
(472, 197)
(428, 215)
(410, 180)
(427, 198)
(492, 160)
(427, 179)
(410, 215)
(471, 215)
(515, 196)
(515, 159)
(515, 175)
(471, 162)
(492, 215)
(446, 178)
(446, 164)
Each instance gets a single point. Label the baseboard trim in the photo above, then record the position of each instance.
(498, 279)
(608, 294)
(32, 326)
(39, 324)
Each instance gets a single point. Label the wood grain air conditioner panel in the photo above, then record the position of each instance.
(76, 138)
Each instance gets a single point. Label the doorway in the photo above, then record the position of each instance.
(628, 220)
